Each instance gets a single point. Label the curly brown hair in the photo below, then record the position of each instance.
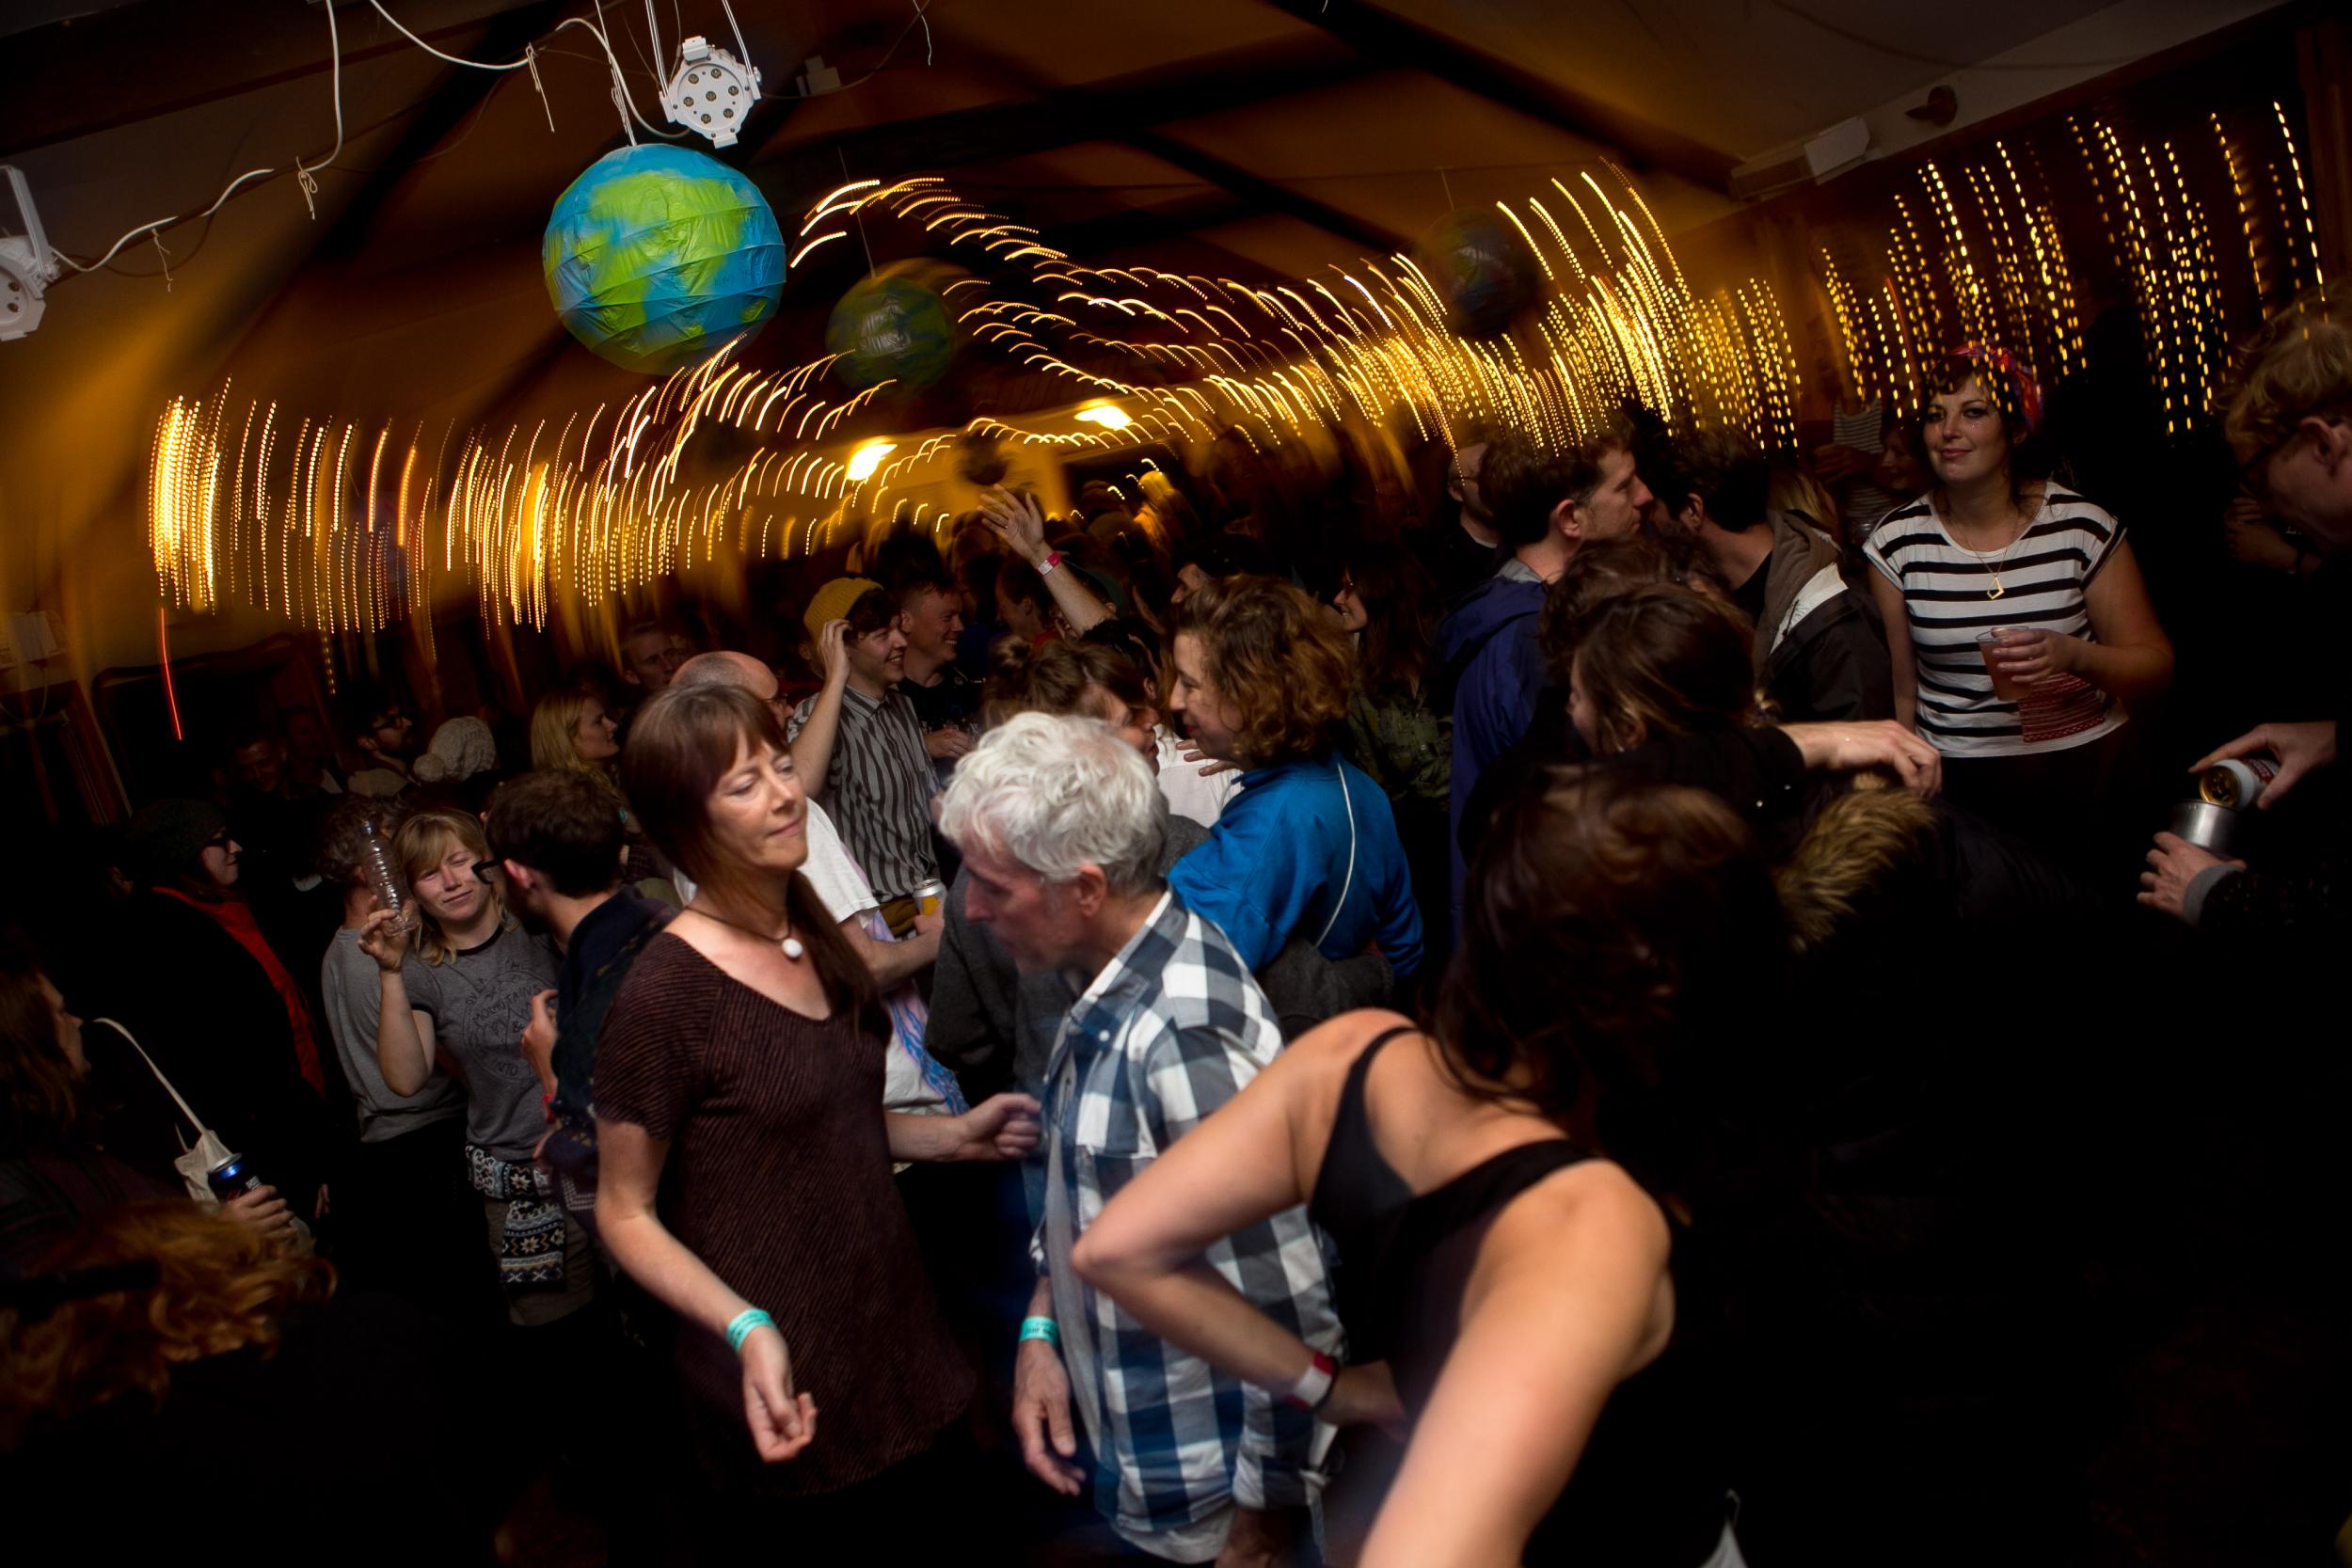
(1278, 658)
(221, 1288)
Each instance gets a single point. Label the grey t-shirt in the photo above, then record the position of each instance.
(479, 1001)
(355, 996)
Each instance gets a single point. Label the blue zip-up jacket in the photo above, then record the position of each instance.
(1278, 861)
(1490, 655)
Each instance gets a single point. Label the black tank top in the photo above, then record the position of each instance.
(1649, 1490)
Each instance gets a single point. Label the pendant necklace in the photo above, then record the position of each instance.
(1998, 588)
(790, 944)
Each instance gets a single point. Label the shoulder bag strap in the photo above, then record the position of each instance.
(194, 1120)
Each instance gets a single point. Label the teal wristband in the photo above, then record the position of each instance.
(743, 1325)
(1041, 1328)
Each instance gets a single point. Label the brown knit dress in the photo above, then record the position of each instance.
(778, 1178)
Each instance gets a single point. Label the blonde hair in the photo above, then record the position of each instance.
(1792, 489)
(420, 847)
(1856, 843)
(2297, 366)
(555, 736)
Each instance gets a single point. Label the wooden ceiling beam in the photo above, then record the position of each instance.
(1395, 43)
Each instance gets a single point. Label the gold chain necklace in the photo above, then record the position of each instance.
(1998, 588)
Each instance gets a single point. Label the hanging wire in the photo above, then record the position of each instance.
(305, 171)
(335, 91)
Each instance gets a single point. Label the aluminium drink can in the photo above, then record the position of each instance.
(2239, 782)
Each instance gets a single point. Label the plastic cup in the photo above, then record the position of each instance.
(1989, 644)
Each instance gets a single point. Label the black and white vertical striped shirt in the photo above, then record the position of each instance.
(878, 789)
(1948, 600)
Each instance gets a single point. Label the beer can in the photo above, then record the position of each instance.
(930, 897)
(2239, 782)
(232, 1178)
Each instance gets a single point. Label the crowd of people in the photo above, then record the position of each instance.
(1575, 1017)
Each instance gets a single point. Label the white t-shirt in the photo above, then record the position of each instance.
(842, 888)
(1182, 786)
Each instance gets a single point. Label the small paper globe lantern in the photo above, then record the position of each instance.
(895, 325)
(656, 256)
(1480, 269)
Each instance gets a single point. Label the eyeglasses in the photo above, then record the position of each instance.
(485, 871)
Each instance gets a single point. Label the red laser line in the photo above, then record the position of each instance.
(162, 650)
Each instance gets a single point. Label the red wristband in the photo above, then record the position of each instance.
(1053, 558)
(1310, 1391)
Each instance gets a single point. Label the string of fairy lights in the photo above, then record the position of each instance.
(1976, 254)
(345, 528)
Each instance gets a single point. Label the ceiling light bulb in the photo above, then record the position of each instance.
(868, 457)
(1108, 415)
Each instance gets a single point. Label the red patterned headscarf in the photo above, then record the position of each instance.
(2006, 381)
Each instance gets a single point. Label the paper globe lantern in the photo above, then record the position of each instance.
(895, 325)
(1480, 269)
(656, 256)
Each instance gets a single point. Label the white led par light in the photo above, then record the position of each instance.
(712, 92)
(27, 266)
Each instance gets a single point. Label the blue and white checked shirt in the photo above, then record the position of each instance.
(1171, 1029)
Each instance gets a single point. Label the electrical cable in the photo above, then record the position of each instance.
(742, 50)
(305, 170)
(335, 91)
(921, 7)
(622, 98)
(1897, 52)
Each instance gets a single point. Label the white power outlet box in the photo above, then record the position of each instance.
(28, 638)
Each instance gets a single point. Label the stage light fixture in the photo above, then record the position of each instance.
(712, 92)
(27, 266)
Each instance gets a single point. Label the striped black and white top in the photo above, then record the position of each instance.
(880, 790)
(1947, 596)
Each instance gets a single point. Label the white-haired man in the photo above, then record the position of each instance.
(1060, 828)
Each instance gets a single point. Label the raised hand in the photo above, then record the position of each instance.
(383, 940)
(1017, 520)
(833, 642)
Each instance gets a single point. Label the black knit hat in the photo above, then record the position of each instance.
(166, 841)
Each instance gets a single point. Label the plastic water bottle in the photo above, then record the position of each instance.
(376, 861)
